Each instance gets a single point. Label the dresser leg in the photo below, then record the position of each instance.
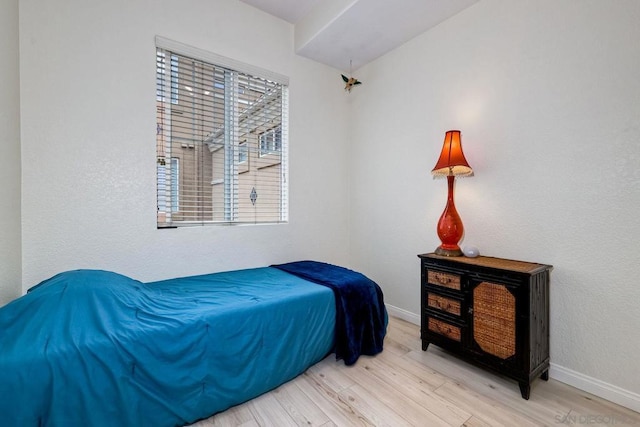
(425, 344)
(545, 375)
(525, 390)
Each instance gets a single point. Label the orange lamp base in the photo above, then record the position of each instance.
(450, 228)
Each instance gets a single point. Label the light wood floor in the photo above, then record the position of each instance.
(404, 386)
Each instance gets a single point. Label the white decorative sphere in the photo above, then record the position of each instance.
(470, 251)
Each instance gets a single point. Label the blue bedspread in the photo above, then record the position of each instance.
(94, 348)
(361, 317)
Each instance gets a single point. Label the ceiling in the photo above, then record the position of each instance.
(347, 34)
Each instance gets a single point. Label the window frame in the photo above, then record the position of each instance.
(239, 150)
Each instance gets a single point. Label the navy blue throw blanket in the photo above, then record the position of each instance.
(361, 320)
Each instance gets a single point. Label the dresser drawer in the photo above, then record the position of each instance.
(445, 280)
(448, 330)
(445, 304)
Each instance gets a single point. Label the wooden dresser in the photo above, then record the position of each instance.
(490, 311)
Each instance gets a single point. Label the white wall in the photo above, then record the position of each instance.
(88, 142)
(547, 95)
(10, 251)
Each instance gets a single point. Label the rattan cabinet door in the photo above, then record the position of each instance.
(494, 320)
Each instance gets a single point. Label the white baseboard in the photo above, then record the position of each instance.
(596, 387)
(568, 376)
(403, 314)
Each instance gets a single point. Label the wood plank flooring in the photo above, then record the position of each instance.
(404, 386)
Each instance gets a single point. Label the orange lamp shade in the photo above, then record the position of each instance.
(452, 161)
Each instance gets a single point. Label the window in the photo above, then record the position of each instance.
(160, 78)
(221, 140)
(243, 152)
(270, 141)
(171, 204)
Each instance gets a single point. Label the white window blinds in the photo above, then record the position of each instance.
(221, 140)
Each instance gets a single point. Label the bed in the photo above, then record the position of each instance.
(91, 347)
